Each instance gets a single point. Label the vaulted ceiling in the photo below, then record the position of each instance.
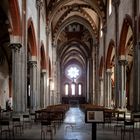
(75, 26)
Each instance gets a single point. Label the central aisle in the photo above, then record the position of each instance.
(74, 127)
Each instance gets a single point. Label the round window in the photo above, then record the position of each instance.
(73, 72)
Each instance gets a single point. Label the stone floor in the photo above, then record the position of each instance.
(75, 128)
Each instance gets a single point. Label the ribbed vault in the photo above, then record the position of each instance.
(76, 26)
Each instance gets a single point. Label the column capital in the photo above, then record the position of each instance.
(15, 46)
(101, 79)
(116, 3)
(89, 58)
(39, 4)
(123, 62)
(109, 71)
(96, 44)
(104, 29)
(43, 71)
(54, 45)
(47, 30)
(32, 63)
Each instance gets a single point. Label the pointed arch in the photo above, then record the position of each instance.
(15, 17)
(109, 53)
(32, 38)
(126, 24)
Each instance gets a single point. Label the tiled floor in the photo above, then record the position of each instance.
(75, 128)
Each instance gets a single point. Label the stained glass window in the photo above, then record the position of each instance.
(73, 72)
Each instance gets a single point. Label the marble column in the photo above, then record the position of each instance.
(122, 98)
(109, 88)
(17, 105)
(33, 80)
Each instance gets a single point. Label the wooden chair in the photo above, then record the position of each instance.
(32, 116)
(120, 121)
(136, 119)
(17, 126)
(45, 129)
(27, 121)
(107, 117)
(128, 128)
(6, 131)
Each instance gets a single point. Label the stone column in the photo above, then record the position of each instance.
(123, 64)
(90, 62)
(46, 89)
(42, 88)
(39, 5)
(93, 76)
(116, 4)
(33, 80)
(109, 88)
(136, 61)
(97, 75)
(48, 80)
(23, 74)
(87, 95)
(104, 62)
(17, 98)
(58, 81)
(101, 96)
